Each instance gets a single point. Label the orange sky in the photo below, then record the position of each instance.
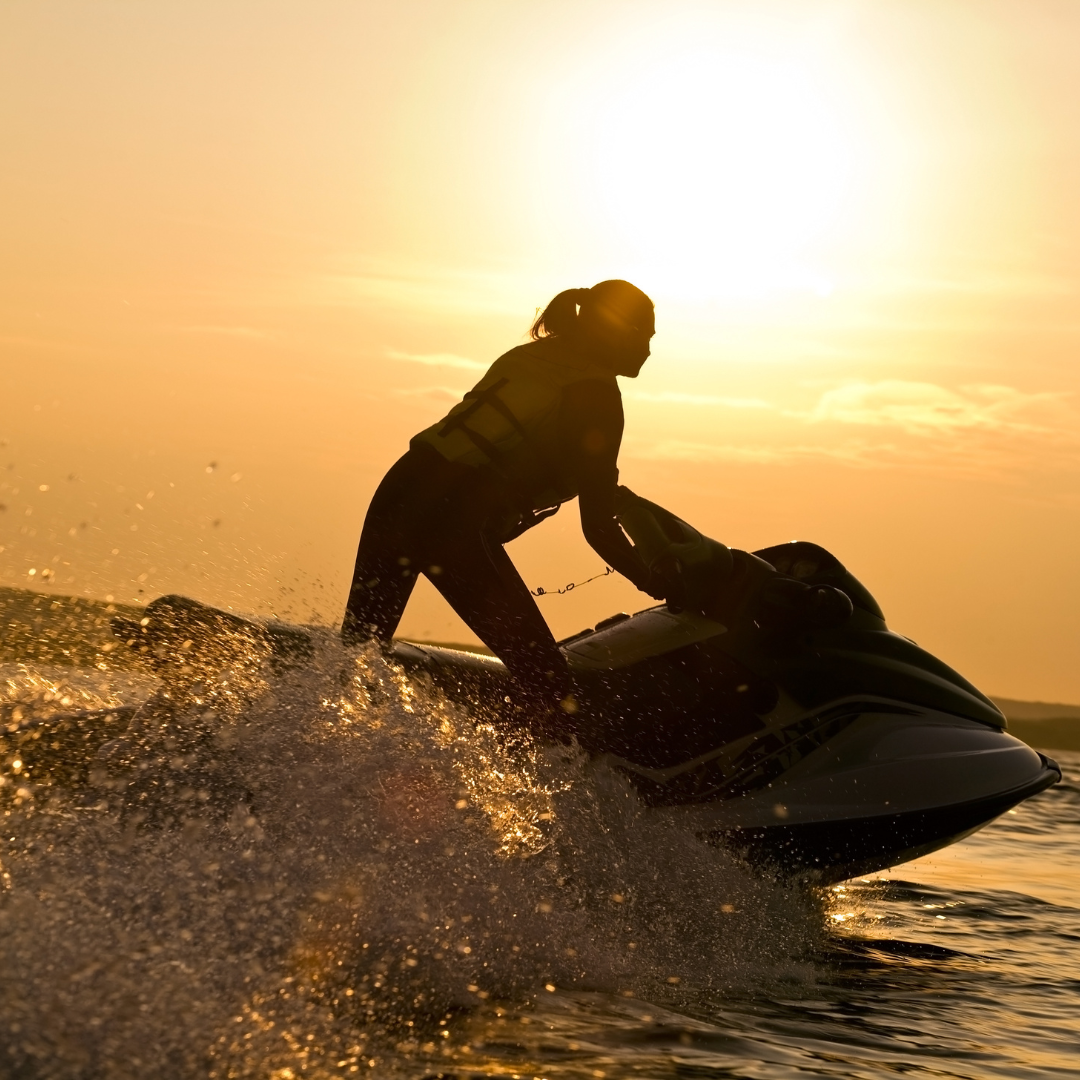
(280, 237)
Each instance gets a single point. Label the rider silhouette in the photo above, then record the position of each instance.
(541, 427)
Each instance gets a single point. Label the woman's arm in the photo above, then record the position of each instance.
(593, 427)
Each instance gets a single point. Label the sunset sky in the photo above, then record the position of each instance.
(249, 247)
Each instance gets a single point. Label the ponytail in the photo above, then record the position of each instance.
(619, 299)
(559, 318)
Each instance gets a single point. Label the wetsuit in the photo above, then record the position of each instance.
(448, 519)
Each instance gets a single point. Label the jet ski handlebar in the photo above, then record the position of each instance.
(704, 575)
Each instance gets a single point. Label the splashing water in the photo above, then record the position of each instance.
(29, 692)
(332, 877)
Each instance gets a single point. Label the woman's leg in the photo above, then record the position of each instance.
(478, 580)
(385, 570)
(427, 516)
(381, 586)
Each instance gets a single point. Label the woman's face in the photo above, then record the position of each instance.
(624, 342)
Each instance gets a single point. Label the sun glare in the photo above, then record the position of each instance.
(724, 174)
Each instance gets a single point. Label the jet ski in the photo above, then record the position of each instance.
(766, 707)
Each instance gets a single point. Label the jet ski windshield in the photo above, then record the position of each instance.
(813, 565)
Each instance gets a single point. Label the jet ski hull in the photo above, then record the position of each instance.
(830, 851)
(859, 785)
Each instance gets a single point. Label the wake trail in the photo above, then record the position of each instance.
(329, 869)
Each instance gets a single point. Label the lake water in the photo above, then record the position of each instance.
(369, 885)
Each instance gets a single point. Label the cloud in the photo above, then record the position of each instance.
(224, 331)
(970, 281)
(998, 460)
(916, 408)
(927, 409)
(38, 343)
(450, 360)
(856, 454)
(676, 398)
(985, 431)
(441, 394)
(432, 286)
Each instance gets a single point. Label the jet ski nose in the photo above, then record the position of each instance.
(1052, 766)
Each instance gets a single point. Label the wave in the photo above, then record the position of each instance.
(331, 868)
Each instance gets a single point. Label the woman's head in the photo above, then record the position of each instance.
(616, 322)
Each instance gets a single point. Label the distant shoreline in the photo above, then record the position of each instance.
(73, 631)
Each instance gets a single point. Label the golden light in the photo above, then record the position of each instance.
(722, 158)
(724, 171)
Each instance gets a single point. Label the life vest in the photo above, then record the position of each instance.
(509, 422)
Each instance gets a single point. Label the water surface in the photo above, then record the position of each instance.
(365, 883)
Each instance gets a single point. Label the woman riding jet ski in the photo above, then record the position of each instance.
(543, 426)
(771, 710)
